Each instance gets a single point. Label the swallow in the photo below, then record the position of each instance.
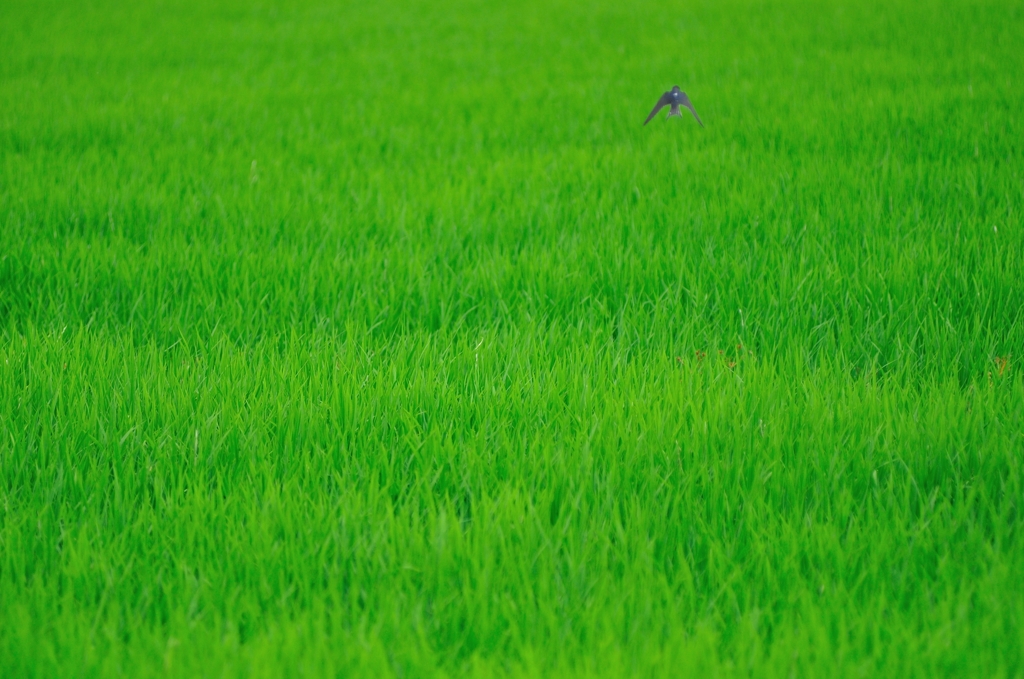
(676, 97)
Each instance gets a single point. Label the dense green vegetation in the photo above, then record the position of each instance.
(381, 339)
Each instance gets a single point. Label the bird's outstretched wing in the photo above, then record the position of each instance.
(688, 104)
(665, 100)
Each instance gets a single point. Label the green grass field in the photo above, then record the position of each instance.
(382, 339)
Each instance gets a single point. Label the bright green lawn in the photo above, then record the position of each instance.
(382, 339)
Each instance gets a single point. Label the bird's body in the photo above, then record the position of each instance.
(674, 111)
(674, 98)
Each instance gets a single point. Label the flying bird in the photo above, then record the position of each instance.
(676, 98)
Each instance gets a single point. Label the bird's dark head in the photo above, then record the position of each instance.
(675, 88)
